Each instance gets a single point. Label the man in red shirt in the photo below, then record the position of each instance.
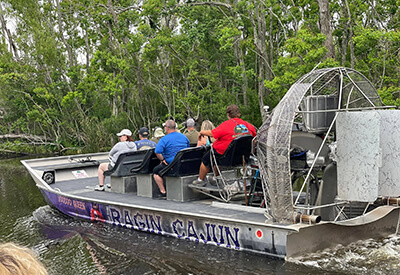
(223, 135)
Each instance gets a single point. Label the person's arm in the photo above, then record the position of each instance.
(253, 130)
(161, 158)
(206, 133)
(114, 149)
(202, 141)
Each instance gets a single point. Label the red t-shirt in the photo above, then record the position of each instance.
(228, 131)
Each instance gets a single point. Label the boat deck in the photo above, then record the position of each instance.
(84, 189)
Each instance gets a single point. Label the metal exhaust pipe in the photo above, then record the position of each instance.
(389, 201)
(302, 218)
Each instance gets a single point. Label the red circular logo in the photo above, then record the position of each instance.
(259, 233)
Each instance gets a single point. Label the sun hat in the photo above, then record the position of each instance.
(125, 132)
(158, 132)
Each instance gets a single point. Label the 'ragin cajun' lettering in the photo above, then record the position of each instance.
(138, 221)
(220, 235)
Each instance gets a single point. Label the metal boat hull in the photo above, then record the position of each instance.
(224, 225)
(259, 238)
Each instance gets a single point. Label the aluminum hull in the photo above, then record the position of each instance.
(205, 221)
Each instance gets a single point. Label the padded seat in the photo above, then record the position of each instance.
(186, 162)
(132, 163)
(240, 146)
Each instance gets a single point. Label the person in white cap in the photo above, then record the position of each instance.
(126, 144)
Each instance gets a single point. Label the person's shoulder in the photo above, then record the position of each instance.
(132, 145)
(251, 125)
(227, 122)
(245, 121)
(180, 135)
(162, 139)
(224, 124)
(118, 144)
(152, 142)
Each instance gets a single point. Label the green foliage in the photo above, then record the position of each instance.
(390, 96)
(84, 70)
(301, 54)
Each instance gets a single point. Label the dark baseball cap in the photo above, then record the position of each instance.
(144, 132)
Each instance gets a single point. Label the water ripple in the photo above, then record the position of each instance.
(362, 257)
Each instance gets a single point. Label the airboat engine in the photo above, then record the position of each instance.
(333, 141)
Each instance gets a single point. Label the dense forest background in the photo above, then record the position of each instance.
(75, 72)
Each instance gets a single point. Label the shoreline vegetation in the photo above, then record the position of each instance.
(73, 73)
(12, 145)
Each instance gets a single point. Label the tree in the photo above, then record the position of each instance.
(325, 22)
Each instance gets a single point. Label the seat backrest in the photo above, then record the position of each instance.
(131, 163)
(150, 161)
(186, 162)
(240, 146)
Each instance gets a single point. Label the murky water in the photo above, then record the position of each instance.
(70, 246)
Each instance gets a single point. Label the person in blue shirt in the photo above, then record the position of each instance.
(144, 143)
(166, 149)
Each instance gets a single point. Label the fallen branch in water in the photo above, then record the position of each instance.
(25, 136)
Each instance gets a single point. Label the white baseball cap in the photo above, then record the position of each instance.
(125, 132)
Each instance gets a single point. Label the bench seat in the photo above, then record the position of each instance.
(186, 162)
(132, 163)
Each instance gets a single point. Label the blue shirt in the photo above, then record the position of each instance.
(144, 144)
(171, 144)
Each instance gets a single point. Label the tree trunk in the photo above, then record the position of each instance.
(350, 25)
(260, 28)
(87, 49)
(240, 61)
(61, 32)
(325, 27)
(5, 30)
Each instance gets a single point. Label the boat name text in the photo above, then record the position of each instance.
(208, 232)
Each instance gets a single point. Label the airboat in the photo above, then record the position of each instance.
(322, 171)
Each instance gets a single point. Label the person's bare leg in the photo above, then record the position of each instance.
(203, 171)
(216, 174)
(160, 183)
(102, 168)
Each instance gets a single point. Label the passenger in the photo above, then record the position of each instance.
(191, 133)
(144, 143)
(158, 134)
(223, 134)
(125, 145)
(202, 139)
(18, 260)
(166, 150)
